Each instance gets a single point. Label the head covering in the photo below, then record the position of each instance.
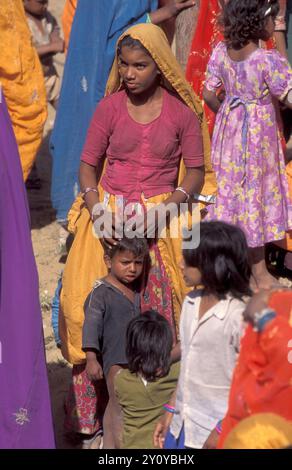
(260, 431)
(154, 40)
(262, 379)
(95, 30)
(25, 411)
(22, 82)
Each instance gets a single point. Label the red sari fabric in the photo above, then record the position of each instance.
(206, 36)
(262, 380)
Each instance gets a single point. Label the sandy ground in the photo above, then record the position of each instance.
(45, 237)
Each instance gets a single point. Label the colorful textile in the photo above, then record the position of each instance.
(95, 30)
(85, 403)
(150, 165)
(262, 380)
(261, 431)
(25, 409)
(85, 262)
(206, 37)
(248, 158)
(22, 82)
(154, 40)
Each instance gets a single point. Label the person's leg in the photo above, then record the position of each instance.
(261, 278)
(112, 421)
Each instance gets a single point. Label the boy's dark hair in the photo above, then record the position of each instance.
(222, 259)
(128, 41)
(137, 246)
(149, 343)
(244, 20)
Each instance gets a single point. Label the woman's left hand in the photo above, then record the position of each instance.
(150, 224)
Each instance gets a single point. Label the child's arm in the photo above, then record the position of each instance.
(93, 368)
(51, 48)
(92, 332)
(164, 423)
(175, 354)
(211, 99)
(174, 8)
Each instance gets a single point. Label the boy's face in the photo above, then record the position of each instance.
(125, 266)
(36, 7)
(192, 276)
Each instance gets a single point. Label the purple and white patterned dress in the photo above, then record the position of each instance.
(247, 154)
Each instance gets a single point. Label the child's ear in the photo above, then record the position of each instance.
(108, 261)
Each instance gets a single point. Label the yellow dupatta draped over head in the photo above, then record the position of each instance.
(154, 40)
(85, 261)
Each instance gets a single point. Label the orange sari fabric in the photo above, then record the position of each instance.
(262, 380)
(22, 82)
(67, 19)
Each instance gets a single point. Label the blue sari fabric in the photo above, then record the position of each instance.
(96, 28)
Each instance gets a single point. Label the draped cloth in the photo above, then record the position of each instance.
(262, 380)
(22, 82)
(95, 30)
(25, 411)
(206, 37)
(85, 261)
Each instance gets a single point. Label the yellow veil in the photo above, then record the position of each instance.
(154, 40)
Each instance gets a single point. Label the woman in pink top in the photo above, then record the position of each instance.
(152, 138)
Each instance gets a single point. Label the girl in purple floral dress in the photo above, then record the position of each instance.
(246, 150)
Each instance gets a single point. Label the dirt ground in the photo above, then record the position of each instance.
(45, 237)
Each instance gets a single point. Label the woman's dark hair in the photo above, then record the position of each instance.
(222, 259)
(244, 20)
(137, 246)
(128, 41)
(149, 343)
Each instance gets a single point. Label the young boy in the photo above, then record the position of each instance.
(47, 41)
(109, 308)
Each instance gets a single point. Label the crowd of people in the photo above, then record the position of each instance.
(172, 184)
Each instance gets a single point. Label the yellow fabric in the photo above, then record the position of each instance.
(22, 82)
(85, 264)
(85, 261)
(260, 431)
(154, 40)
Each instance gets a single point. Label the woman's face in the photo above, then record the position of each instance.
(137, 70)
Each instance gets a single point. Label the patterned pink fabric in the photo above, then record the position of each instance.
(247, 155)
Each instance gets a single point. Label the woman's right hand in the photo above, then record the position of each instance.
(93, 370)
(105, 228)
(161, 430)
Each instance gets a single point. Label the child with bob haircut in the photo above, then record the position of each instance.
(149, 382)
(210, 329)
